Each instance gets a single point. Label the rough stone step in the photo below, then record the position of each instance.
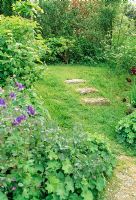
(86, 90)
(96, 101)
(75, 81)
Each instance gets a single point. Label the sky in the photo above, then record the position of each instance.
(133, 1)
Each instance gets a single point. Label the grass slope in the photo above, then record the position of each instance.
(64, 103)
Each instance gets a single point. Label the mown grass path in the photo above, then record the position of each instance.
(64, 102)
(66, 108)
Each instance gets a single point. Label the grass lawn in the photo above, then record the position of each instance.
(64, 103)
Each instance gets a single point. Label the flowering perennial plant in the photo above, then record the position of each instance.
(2, 102)
(12, 99)
(40, 162)
(30, 110)
(20, 86)
(12, 95)
(19, 119)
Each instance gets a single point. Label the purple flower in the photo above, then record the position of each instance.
(12, 95)
(14, 188)
(2, 102)
(20, 86)
(17, 84)
(18, 120)
(30, 110)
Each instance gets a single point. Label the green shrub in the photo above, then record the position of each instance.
(86, 51)
(72, 50)
(122, 56)
(73, 31)
(6, 7)
(59, 49)
(19, 52)
(122, 51)
(126, 130)
(38, 161)
(26, 9)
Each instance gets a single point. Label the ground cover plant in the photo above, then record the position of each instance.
(126, 130)
(38, 161)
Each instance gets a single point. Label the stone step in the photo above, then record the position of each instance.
(96, 101)
(87, 90)
(75, 81)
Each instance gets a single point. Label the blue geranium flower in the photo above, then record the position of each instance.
(18, 120)
(20, 86)
(12, 95)
(2, 102)
(30, 110)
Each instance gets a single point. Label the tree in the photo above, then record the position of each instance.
(27, 9)
(6, 7)
(108, 12)
(130, 11)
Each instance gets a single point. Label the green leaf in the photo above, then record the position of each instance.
(55, 197)
(67, 166)
(52, 184)
(87, 194)
(20, 197)
(3, 196)
(53, 156)
(61, 190)
(39, 167)
(53, 165)
(20, 184)
(69, 184)
(100, 183)
(75, 197)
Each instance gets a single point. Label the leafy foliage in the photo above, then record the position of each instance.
(6, 7)
(91, 24)
(59, 49)
(122, 52)
(126, 130)
(72, 50)
(98, 29)
(130, 11)
(57, 19)
(26, 9)
(38, 161)
(19, 51)
(122, 56)
(85, 22)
